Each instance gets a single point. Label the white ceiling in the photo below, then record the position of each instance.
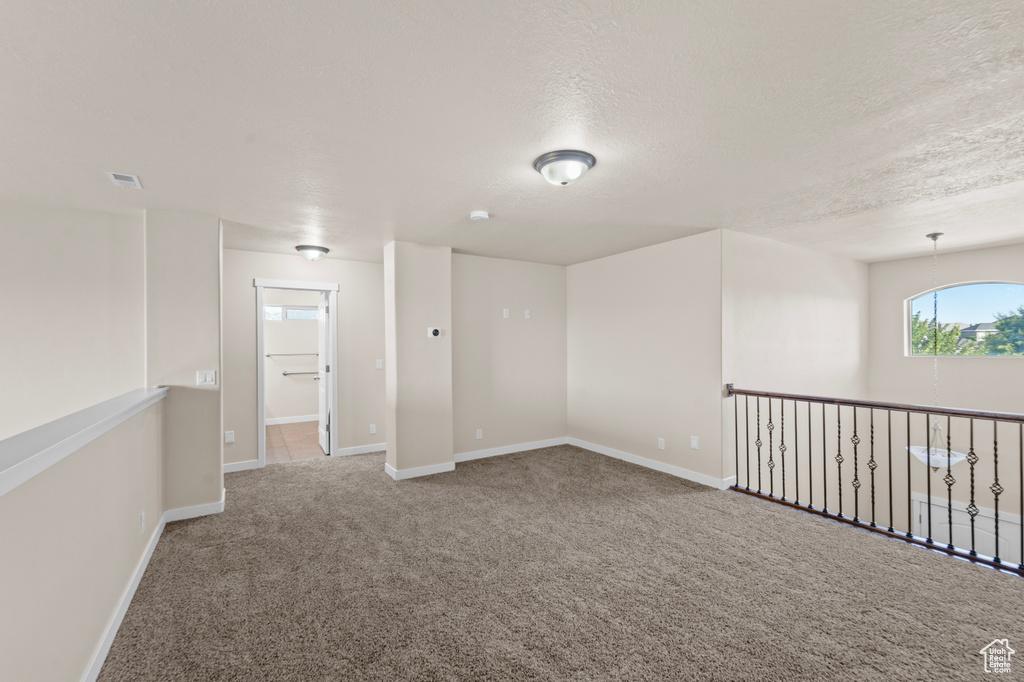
(850, 127)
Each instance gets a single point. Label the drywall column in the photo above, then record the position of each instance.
(418, 296)
(183, 265)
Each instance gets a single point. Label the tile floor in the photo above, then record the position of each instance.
(292, 442)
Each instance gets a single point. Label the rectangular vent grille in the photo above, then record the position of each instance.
(125, 180)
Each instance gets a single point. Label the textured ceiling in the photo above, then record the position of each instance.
(850, 127)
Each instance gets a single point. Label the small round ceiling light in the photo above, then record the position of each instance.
(311, 252)
(477, 216)
(564, 167)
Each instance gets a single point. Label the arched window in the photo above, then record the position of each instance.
(973, 319)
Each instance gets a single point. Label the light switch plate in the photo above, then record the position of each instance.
(229, 436)
(661, 443)
(504, 313)
(373, 429)
(479, 434)
(694, 443)
(527, 313)
(380, 364)
(206, 377)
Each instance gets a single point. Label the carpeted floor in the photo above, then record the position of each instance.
(552, 564)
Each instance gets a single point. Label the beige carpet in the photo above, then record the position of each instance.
(552, 564)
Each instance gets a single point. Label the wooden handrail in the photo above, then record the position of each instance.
(902, 407)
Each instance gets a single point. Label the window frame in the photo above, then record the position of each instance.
(908, 315)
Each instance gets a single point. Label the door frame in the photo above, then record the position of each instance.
(332, 356)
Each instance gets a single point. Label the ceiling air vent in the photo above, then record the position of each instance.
(125, 180)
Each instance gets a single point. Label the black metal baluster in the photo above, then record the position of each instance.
(758, 443)
(972, 510)
(839, 455)
(856, 470)
(736, 438)
(782, 444)
(888, 433)
(949, 480)
(824, 462)
(996, 489)
(796, 450)
(910, 510)
(746, 432)
(771, 452)
(928, 473)
(872, 465)
(810, 463)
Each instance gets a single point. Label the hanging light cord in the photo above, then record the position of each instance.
(935, 318)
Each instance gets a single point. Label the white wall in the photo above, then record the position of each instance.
(182, 337)
(295, 395)
(508, 375)
(72, 286)
(418, 295)
(793, 320)
(980, 383)
(645, 352)
(70, 540)
(360, 319)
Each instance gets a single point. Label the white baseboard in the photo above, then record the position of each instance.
(401, 474)
(182, 513)
(241, 466)
(360, 450)
(99, 656)
(293, 420)
(509, 449)
(720, 483)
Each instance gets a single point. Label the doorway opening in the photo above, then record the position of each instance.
(297, 347)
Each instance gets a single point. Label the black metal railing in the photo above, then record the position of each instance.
(869, 463)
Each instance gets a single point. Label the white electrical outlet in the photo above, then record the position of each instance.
(694, 443)
(373, 429)
(527, 313)
(229, 436)
(479, 434)
(661, 443)
(380, 364)
(142, 522)
(206, 377)
(504, 313)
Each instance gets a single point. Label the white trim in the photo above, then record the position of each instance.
(333, 317)
(293, 420)
(31, 452)
(261, 410)
(241, 466)
(359, 450)
(703, 479)
(182, 513)
(401, 474)
(332, 355)
(99, 655)
(509, 449)
(299, 286)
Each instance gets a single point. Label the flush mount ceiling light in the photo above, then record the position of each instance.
(477, 216)
(311, 252)
(564, 167)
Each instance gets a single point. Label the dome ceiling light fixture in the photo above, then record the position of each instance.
(311, 252)
(564, 167)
